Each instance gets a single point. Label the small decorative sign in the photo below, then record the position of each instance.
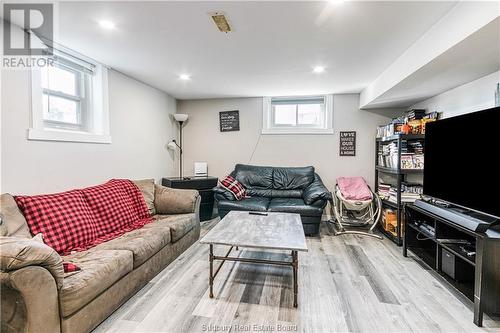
(348, 143)
(229, 121)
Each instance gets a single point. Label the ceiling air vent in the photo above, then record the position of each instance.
(221, 22)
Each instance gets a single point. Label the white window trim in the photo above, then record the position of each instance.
(99, 116)
(267, 127)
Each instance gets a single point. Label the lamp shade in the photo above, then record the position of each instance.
(171, 145)
(180, 116)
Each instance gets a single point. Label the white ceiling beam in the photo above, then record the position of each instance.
(460, 22)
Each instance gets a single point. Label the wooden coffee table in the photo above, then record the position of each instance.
(276, 231)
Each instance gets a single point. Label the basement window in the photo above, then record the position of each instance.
(298, 115)
(66, 96)
(69, 100)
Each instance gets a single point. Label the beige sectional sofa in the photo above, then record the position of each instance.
(36, 294)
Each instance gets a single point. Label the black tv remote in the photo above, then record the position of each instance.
(257, 213)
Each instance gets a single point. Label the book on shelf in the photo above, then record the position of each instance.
(413, 122)
(415, 114)
(407, 161)
(409, 192)
(395, 127)
(383, 190)
(405, 198)
(418, 161)
(412, 155)
(408, 187)
(412, 161)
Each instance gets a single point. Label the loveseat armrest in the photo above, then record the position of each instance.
(221, 193)
(176, 201)
(316, 191)
(17, 253)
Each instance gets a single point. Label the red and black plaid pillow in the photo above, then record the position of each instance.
(69, 267)
(114, 208)
(65, 219)
(234, 186)
(140, 206)
(79, 219)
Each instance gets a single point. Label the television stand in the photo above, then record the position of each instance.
(468, 259)
(486, 223)
(465, 218)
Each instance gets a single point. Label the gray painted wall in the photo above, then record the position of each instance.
(204, 142)
(140, 128)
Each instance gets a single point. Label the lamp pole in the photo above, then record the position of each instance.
(180, 118)
(180, 148)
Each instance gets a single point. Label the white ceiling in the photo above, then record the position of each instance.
(271, 51)
(474, 57)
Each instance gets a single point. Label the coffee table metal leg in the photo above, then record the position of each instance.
(211, 277)
(295, 266)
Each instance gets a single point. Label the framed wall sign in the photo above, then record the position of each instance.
(347, 143)
(229, 121)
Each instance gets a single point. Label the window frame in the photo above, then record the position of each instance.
(94, 126)
(82, 99)
(270, 127)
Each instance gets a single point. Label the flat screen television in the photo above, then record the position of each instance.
(461, 161)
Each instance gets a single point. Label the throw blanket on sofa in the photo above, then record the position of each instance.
(80, 219)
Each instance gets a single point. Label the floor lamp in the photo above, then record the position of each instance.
(180, 118)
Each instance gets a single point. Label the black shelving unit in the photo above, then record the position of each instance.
(400, 174)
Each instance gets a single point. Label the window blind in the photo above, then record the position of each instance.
(297, 100)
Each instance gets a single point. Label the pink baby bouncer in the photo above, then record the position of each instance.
(355, 204)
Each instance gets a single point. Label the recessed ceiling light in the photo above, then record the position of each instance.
(184, 77)
(105, 24)
(318, 69)
(336, 2)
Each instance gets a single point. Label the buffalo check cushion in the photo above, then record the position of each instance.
(65, 219)
(234, 186)
(69, 267)
(80, 219)
(111, 205)
(118, 205)
(139, 204)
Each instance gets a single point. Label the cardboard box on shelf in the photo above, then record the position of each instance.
(390, 221)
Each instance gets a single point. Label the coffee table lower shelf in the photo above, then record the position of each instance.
(294, 264)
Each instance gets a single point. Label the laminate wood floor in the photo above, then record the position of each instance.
(346, 284)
